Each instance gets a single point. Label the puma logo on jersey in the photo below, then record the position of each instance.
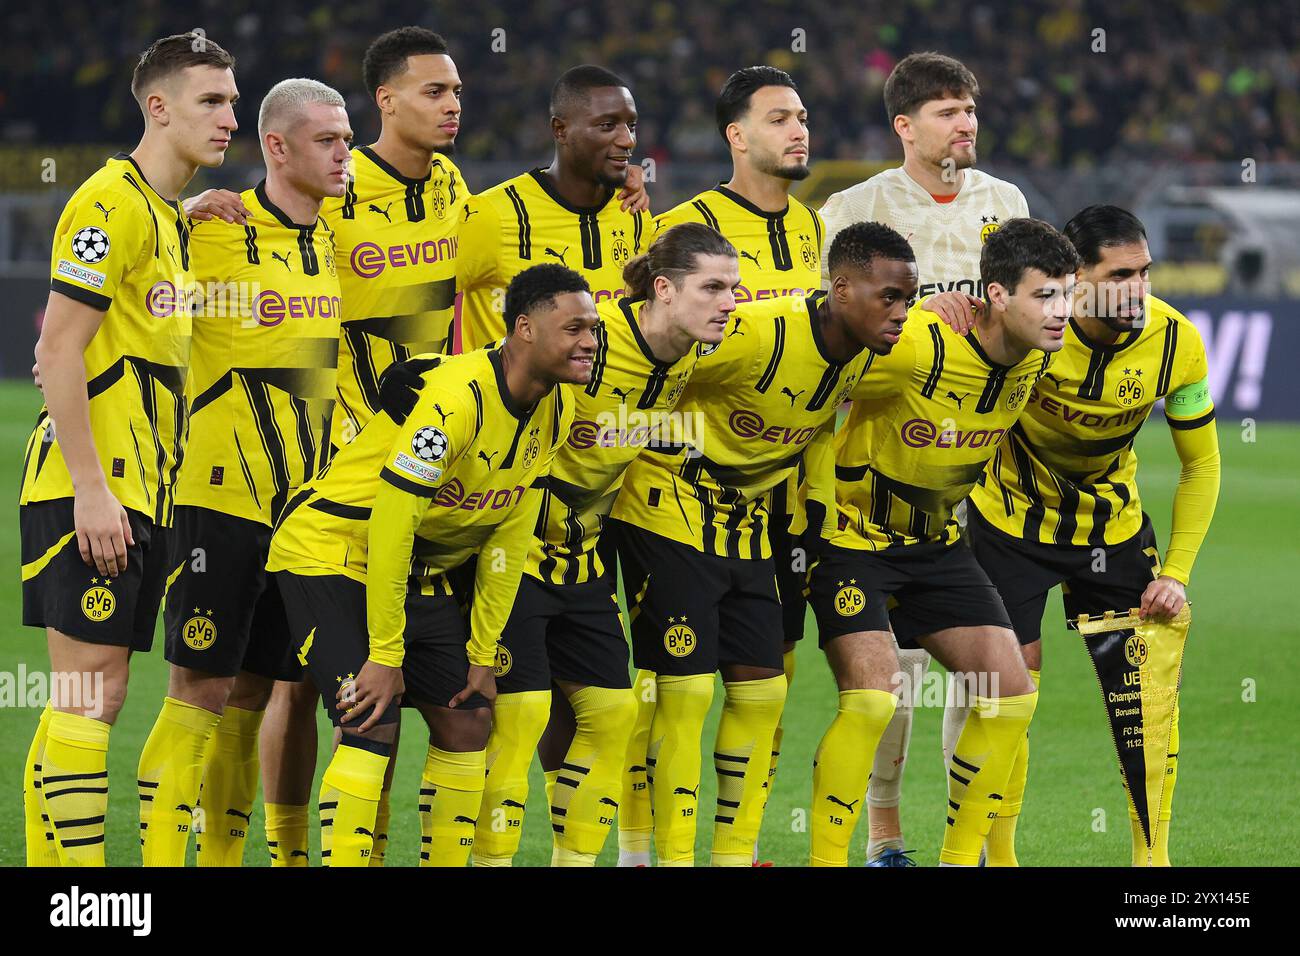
(622, 393)
(847, 806)
(283, 258)
(1058, 382)
(793, 395)
(685, 792)
(752, 257)
(383, 212)
(106, 212)
(559, 255)
(488, 458)
(441, 414)
(735, 329)
(171, 252)
(468, 212)
(959, 400)
(246, 817)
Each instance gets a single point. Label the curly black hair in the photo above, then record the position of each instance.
(858, 244)
(537, 287)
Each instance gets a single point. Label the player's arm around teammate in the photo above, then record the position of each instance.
(93, 509)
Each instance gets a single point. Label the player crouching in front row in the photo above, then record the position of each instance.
(364, 554)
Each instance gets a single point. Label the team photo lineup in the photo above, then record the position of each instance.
(531, 466)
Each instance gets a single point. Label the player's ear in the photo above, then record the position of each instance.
(384, 100)
(997, 295)
(155, 108)
(736, 136)
(559, 130)
(903, 127)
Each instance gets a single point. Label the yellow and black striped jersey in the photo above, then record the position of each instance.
(625, 407)
(397, 244)
(524, 222)
(456, 480)
(780, 252)
(754, 403)
(1067, 472)
(924, 423)
(263, 366)
(123, 249)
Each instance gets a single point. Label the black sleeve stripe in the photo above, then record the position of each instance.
(638, 220)
(1184, 425)
(1167, 359)
(147, 205)
(96, 300)
(817, 228)
(557, 419)
(478, 406)
(709, 219)
(350, 199)
(589, 233)
(525, 228)
(250, 246)
(598, 362)
(936, 366)
(397, 481)
(769, 374)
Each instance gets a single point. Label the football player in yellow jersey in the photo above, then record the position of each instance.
(1059, 503)
(564, 632)
(765, 126)
(692, 531)
(260, 393)
(565, 213)
(363, 551)
(99, 466)
(925, 421)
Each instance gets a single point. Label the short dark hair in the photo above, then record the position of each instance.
(172, 54)
(537, 287)
(574, 85)
(858, 244)
(1023, 244)
(921, 77)
(733, 101)
(674, 254)
(1100, 225)
(386, 56)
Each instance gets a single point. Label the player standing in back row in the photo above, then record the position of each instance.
(947, 209)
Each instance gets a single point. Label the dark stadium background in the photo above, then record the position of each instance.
(1187, 113)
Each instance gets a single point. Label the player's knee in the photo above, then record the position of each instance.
(459, 731)
(108, 702)
(250, 692)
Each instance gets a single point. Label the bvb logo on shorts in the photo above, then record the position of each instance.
(501, 666)
(679, 639)
(98, 603)
(199, 632)
(1135, 651)
(1129, 392)
(849, 599)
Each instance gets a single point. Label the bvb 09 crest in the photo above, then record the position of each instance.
(438, 192)
(501, 666)
(618, 250)
(807, 252)
(679, 639)
(1135, 651)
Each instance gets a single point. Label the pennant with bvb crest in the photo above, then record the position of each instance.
(1138, 663)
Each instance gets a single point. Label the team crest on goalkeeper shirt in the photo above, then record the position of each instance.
(679, 639)
(988, 226)
(98, 602)
(199, 632)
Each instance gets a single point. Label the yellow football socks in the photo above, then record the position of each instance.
(1000, 849)
(170, 774)
(74, 786)
(286, 834)
(349, 801)
(518, 721)
(842, 771)
(453, 783)
(979, 770)
(751, 712)
(41, 848)
(229, 789)
(673, 764)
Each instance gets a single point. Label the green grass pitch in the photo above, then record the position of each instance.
(1236, 776)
